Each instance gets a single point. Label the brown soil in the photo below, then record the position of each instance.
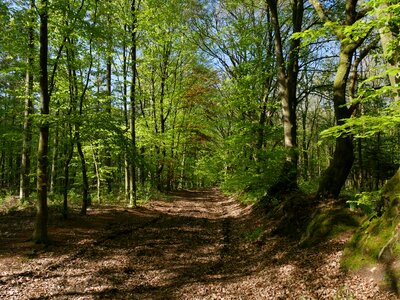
(197, 245)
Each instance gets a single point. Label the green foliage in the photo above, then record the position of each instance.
(368, 202)
(309, 187)
(252, 177)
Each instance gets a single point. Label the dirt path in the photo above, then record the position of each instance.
(194, 246)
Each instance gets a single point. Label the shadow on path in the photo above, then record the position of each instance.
(192, 246)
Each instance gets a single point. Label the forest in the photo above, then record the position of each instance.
(256, 125)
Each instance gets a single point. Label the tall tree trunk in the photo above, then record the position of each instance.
(54, 162)
(132, 194)
(108, 162)
(163, 116)
(40, 228)
(287, 84)
(125, 97)
(68, 157)
(98, 179)
(85, 181)
(27, 137)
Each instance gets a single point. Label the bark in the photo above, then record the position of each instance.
(69, 154)
(163, 116)
(40, 227)
(125, 97)
(54, 163)
(339, 168)
(108, 162)
(2, 168)
(27, 137)
(85, 181)
(98, 180)
(340, 165)
(287, 84)
(132, 194)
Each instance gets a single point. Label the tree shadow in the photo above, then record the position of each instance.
(163, 251)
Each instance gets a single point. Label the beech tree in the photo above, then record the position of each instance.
(336, 174)
(40, 231)
(287, 89)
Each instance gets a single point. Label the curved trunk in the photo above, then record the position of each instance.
(339, 168)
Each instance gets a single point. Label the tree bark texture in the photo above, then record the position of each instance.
(340, 165)
(287, 85)
(132, 185)
(40, 228)
(335, 176)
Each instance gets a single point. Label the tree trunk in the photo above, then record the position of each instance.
(69, 153)
(98, 180)
(125, 97)
(108, 161)
(132, 194)
(287, 84)
(27, 137)
(339, 168)
(85, 181)
(54, 163)
(40, 228)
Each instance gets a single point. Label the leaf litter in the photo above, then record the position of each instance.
(193, 246)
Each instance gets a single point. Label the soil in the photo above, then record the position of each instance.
(195, 245)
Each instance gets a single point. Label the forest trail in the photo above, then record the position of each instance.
(194, 245)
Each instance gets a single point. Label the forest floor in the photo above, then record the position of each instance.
(194, 245)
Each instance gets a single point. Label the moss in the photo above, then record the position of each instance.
(377, 239)
(328, 222)
(365, 246)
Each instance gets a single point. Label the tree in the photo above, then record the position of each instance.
(40, 229)
(287, 90)
(132, 185)
(336, 174)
